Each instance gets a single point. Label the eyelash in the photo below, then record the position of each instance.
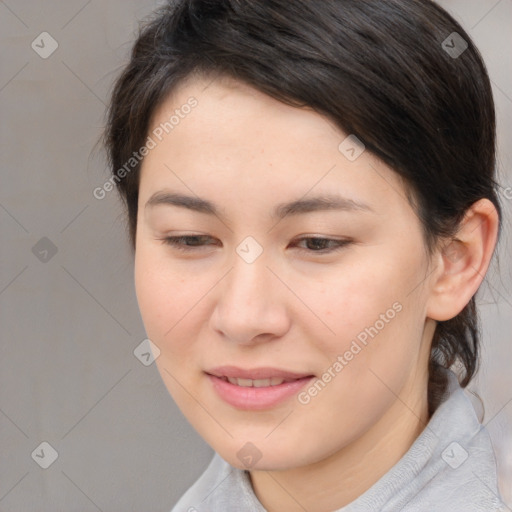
(178, 243)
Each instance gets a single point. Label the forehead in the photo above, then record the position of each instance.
(238, 137)
(224, 104)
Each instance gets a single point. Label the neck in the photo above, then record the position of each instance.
(341, 478)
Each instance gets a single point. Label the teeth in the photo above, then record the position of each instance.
(245, 383)
(259, 383)
(256, 383)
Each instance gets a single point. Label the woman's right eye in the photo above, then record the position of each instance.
(187, 243)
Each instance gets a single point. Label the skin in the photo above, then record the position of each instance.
(293, 308)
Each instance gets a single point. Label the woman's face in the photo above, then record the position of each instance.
(302, 261)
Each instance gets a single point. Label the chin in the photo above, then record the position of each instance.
(262, 456)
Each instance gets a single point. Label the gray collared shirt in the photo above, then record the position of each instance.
(450, 467)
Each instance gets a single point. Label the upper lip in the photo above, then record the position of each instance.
(255, 373)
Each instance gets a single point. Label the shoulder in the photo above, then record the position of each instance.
(461, 477)
(461, 471)
(450, 466)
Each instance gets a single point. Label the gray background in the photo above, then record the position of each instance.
(69, 321)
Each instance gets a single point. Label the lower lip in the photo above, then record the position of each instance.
(256, 399)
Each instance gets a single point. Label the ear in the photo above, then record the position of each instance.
(463, 261)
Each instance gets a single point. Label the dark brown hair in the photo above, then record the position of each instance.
(402, 75)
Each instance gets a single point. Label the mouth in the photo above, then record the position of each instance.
(256, 389)
(262, 373)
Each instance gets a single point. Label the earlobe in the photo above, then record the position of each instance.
(463, 261)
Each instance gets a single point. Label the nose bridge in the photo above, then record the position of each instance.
(246, 285)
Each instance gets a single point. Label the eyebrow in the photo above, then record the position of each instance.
(299, 206)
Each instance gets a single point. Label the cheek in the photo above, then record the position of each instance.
(373, 316)
(164, 296)
(169, 303)
(353, 300)
(370, 356)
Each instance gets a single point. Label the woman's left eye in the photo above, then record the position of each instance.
(322, 245)
(318, 245)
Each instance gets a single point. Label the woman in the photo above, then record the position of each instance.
(312, 207)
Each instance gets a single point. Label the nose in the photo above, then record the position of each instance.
(251, 304)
